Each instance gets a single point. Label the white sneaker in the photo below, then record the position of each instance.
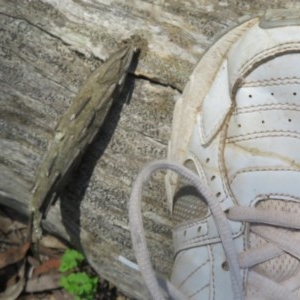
(237, 130)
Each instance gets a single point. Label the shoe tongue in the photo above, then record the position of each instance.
(262, 151)
(285, 266)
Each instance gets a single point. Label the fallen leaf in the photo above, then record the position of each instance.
(51, 241)
(47, 266)
(13, 291)
(13, 255)
(43, 283)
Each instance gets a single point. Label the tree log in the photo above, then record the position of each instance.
(48, 48)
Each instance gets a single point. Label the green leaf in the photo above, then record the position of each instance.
(70, 260)
(80, 285)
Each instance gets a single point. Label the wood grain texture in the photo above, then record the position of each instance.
(47, 50)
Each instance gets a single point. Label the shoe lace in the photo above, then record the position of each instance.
(138, 234)
(278, 243)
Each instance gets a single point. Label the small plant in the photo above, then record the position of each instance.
(70, 260)
(79, 284)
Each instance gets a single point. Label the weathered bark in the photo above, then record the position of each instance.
(47, 49)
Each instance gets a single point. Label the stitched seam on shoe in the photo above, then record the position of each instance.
(266, 107)
(271, 82)
(222, 136)
(212, 281)
(200, 290)
(179, 257)
(188, 242)
(223, 175)
(192, 224)
(221, 162)
(205, 241)
(268, 52)
(192, 156)
(269, 197)
(263, 134)
(216, 125)
(192, 241)
(251, 170)
(192, 273)
(221, 165)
